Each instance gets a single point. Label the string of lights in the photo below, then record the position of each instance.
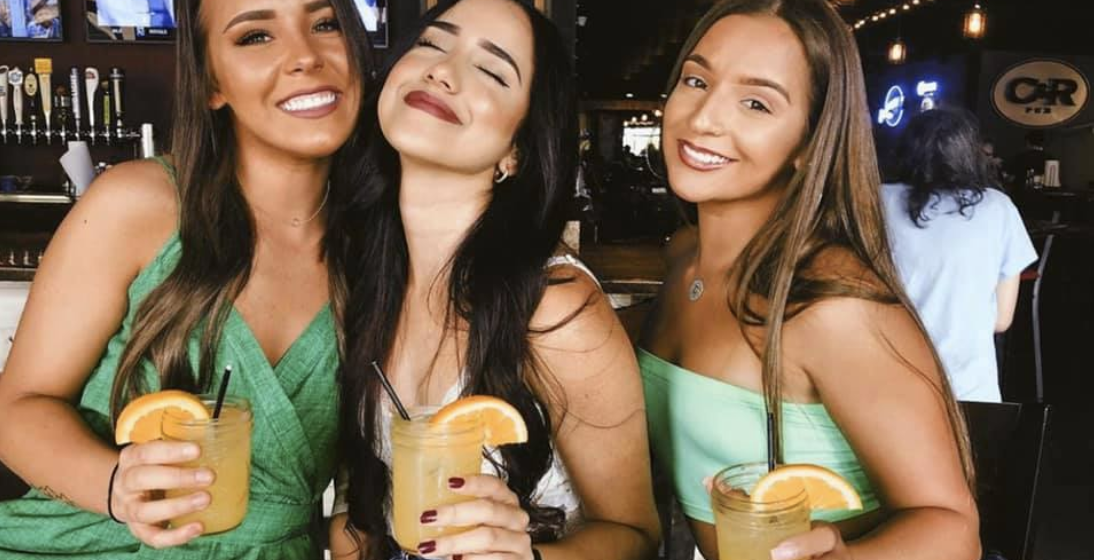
(974, 25)
(882, 15)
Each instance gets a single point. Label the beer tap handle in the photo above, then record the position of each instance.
(117, 83)
(4, 102)
(62, 101)
(30, 87)
(77, 101)
(15, 79)
(44, 68)
(91, 83)
(107, 105)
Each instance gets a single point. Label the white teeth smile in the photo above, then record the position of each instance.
(310, 101)
(704, 158)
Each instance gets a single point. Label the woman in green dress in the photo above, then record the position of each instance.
(160, 278)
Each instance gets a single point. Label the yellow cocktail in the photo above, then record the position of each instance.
(424, 456)
(747, 529)
(226, 450)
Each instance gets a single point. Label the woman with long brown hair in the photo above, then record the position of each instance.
(457, 290)
(166, 272)
(784, 298)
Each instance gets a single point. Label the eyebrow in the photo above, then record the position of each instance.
(747, 80)
(259, 15)
(488, 46)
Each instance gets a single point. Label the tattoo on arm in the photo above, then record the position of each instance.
(55, 495)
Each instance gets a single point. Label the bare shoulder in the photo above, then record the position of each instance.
(575, 319)
(841, 335)
(845, 316)
(80, 290)
(138, 191)
(572, 297)
(582, 348)
(133, 205)
(874, 309)
(840, 263)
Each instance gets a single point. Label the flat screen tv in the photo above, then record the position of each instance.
(154, 20)
(30, 20)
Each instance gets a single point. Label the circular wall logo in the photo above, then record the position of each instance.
(1040, 93)
(892, 109)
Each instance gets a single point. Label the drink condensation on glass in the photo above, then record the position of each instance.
(226, 450)
(748, 530)
(424, 457)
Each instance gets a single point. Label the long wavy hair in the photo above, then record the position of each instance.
(216, 225)
(496, 279)
(940, 155)
(832, 201)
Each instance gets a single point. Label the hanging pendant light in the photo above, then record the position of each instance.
(898, 52)
(976, 22)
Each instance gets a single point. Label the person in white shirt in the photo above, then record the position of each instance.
(136, 13)
(959, 245)
(370, 13)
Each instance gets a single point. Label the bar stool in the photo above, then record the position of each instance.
(1009, 443)
(1037, 275)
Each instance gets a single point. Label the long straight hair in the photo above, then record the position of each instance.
(496, 279)
(216, 225)
(831, 201)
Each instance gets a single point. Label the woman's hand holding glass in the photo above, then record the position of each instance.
(144, 471)
(823, 542)
(499, 526)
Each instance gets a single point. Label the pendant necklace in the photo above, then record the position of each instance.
(696, 290)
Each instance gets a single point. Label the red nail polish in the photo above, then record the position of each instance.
(427, 547)
(457, 557)
(429, 516)
(456, 482)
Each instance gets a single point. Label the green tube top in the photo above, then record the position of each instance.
(699, 425)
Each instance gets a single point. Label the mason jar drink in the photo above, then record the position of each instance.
(424, 457)
(226, 450)
(748, 530)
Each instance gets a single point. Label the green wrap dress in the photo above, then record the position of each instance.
(295, 406)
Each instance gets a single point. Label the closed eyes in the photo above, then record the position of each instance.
(424, 42)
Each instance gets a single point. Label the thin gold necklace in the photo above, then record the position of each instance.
(298, 222)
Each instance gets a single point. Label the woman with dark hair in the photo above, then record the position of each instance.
(164, 273)
(958, 243)
(456, 291)
(784, 300)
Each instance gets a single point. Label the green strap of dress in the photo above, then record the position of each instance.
(295, 405)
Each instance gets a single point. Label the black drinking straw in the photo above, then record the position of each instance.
(391, 392)
(770, 442)
(223, 390)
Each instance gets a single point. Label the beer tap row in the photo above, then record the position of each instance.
(33, 111)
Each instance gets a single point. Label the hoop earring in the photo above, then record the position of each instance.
(499, 179)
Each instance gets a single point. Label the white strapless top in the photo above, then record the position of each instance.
(554, 489)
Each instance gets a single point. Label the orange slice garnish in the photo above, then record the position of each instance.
(501, 422)
(826, 489)
(140, 420)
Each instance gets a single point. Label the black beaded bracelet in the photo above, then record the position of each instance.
(536, 555)
(110, 495)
